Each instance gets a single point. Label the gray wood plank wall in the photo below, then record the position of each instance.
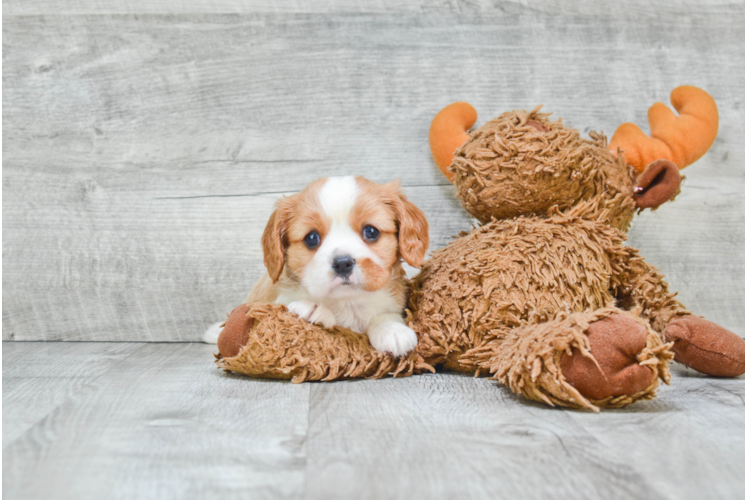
(145, 142)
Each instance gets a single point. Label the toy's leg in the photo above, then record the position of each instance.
(698, 343)
(706, 347)
(640, 287)
(602, 358)
(265, 340)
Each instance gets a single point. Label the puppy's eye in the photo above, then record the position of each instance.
(370, 233)
(312, 240)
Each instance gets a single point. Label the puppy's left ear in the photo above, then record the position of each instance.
(413, 228)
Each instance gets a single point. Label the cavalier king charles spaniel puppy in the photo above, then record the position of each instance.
(334, 252)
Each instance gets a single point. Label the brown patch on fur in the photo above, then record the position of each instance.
(371, 209)
(412, 226)
(293, 219)
(375, 276)
(403, 229)
(273, 246)
(307, 214)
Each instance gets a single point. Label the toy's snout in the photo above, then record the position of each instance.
(660, 182)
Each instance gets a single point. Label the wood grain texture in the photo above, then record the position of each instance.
(454, 436)
(590, 8)
(38, 377)
(143, 147)
(164, 423)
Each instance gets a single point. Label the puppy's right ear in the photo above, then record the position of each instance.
(273, 240)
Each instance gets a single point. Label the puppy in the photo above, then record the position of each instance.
(334, 255)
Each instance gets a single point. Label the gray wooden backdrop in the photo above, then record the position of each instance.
(144, 143)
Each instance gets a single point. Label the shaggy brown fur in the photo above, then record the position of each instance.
(510, 168)
(508, 274)
(283, 346)
(513, 297)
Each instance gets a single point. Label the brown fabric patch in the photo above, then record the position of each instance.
(660, 182)
(611, 367)
(528, 360)
(235, 332)
(706, 347)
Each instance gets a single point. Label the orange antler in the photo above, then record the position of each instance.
(681, 139)
(447, 133)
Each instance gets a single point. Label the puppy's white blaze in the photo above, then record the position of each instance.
(337, 198)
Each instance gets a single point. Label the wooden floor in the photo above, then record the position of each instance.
(159, 421)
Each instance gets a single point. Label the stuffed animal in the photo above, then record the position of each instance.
(543, 296)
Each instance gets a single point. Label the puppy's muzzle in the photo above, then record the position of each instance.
(343, 265)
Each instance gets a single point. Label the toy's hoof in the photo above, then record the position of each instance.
(236, 332)
(615, 342)
(706, 347)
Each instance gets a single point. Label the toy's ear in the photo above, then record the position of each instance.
(273, 240)
(448, 133)
(681, 139)
(660, 182)
(413, 228)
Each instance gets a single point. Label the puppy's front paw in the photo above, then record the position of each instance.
(313, 312)
(392, 337)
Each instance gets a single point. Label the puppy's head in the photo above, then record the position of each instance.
(344, 234)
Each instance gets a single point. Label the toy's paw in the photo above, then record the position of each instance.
(394, 338)
(235, 332)
(313, 312)
(706, 347)
(615, 342)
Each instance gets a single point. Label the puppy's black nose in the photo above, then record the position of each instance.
(343, 265)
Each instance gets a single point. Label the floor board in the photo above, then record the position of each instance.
(162, 422)
(39, 376)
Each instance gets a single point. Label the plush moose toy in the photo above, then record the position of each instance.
(543, 296)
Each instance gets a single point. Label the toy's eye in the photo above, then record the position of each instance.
(312, 240)
(370, 234)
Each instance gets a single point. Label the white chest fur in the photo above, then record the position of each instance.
(354, 312)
